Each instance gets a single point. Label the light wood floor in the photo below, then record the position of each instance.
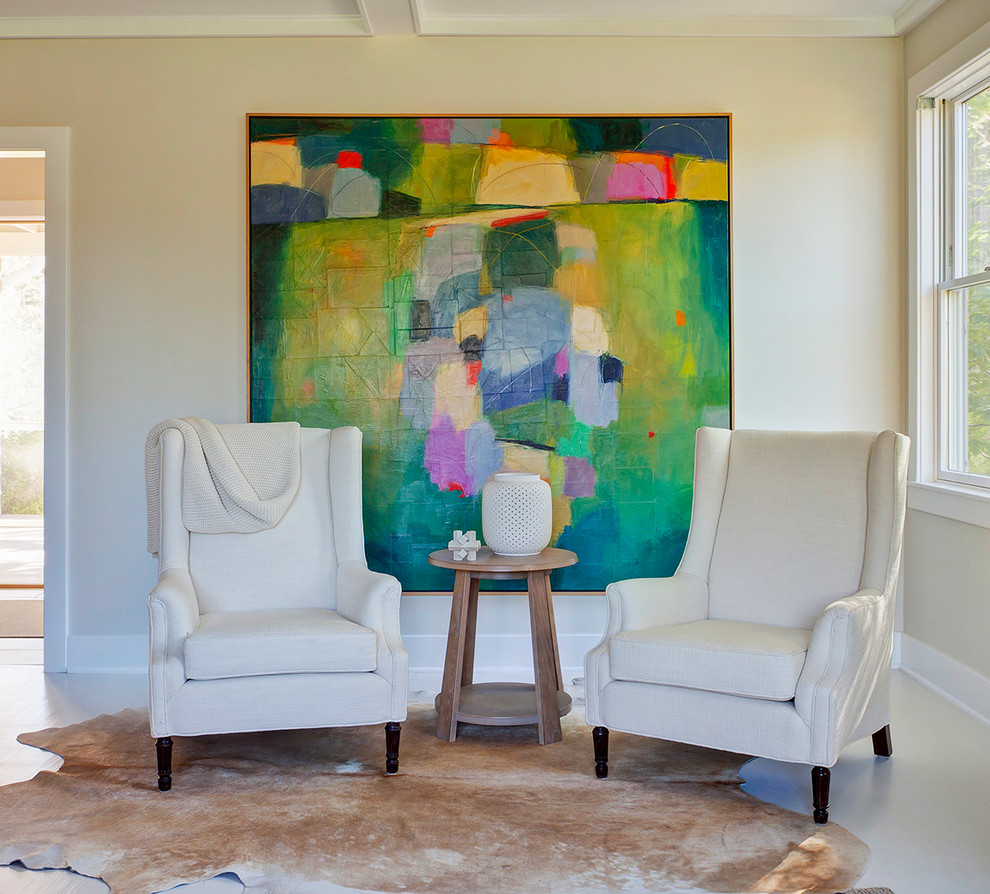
(925, 813)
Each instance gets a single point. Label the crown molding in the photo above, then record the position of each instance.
(399, 17)
(656, 26)
(912, 12)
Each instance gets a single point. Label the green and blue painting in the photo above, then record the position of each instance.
(547, 295)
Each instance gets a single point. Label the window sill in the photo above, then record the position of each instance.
(956, 501)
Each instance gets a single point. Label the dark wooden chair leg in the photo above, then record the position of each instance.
(820, 778)
(164, 748)
(599, 735)
(882, 746)
(392, 731)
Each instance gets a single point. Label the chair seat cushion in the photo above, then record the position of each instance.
(278, 641)
(731, 657)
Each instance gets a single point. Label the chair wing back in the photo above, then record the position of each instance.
(293, 564)
(793, 521)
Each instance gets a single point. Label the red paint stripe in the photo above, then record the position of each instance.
(519, 218)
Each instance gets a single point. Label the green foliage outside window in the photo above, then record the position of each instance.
(978, 258)
(22, 473)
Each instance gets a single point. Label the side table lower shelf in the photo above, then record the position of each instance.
(502, 704)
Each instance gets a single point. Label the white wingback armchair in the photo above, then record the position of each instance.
(283, 628)
(774, 635)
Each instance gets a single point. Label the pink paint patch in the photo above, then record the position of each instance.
(308, 388)
(579, 477)
(436, 130)
(635, 181)
(444, 456)
(561, 362)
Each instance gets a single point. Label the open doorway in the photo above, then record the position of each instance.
(22, 389)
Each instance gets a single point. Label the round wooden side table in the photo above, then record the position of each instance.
(502, 704)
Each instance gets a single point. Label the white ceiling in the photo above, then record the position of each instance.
(177, 18)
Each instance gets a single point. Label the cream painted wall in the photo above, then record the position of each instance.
(157, 231)
(946, 594)
(947, 25)
(947, 562)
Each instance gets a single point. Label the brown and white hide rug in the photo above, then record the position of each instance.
(492, 812)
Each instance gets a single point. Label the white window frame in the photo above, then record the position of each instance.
(953, 448)
(958, 74)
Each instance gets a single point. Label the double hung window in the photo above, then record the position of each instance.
(963, 289)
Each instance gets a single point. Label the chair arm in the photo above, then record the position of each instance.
(655, 602)
(173, 613)
(367, 597)
(850, 648)
(371, 599)
(633, 605)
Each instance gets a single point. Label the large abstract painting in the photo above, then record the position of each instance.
(477, 294)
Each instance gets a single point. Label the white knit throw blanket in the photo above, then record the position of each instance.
(237, 477)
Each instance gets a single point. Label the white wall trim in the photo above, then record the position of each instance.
(946, 677)
(965, 504)
(500, 656)
(423, 679)
(957, 684)
(655, 26)
(55, 143)
(913, 12)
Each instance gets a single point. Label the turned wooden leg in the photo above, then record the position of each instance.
(599, 735)
(164, 748)
(820, 778)
(882, 746)
(392, 731)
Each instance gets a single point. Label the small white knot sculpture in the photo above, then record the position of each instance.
(465, 545)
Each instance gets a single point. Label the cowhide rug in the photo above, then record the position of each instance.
(492, 812)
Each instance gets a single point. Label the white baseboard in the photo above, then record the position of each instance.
(498, 657)
(429, 679)
(957, 684)
(508, 656)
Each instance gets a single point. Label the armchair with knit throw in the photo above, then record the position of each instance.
(268, 619)
(773, 637)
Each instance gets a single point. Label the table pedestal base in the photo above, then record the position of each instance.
(502, 704)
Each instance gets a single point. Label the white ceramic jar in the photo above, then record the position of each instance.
(516, 513)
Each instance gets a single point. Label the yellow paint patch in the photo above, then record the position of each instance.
(526, 177)
(471, 322)
(588, 330)
(519, 458)
(689, 367)
(574, 236)
(453, 397)
(278, 163)
(580, 283)
(561, 503)
(704, 181)
(561, 514)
